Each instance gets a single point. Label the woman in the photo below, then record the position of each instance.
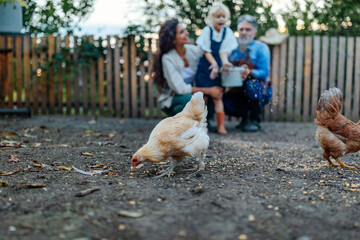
(175, 67)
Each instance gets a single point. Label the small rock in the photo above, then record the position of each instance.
(198, 190)
(251, 218)
(182, 233)
(122, 227)
(242, 237)
(304, 238)
(12, 228)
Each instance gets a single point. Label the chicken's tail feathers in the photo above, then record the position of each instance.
(196, 107)
(329, 105)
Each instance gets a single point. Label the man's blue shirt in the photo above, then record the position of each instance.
(260, 57)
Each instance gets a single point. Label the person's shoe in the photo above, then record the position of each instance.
(251, 127)
(256, 123)
(242, 124)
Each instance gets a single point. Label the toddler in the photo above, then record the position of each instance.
(217, 40)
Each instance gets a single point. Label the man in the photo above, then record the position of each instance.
(246, 101)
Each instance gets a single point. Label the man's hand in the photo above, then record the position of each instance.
(214, 71)
(246, 72)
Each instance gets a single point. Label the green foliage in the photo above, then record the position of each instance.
(87, 53)
(302, 17)
(332, 17)
(53, 15)
(22, 3)
(194, 12)
(138, 31)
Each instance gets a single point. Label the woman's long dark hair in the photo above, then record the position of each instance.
(167, 36)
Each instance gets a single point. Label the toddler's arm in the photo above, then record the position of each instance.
(213, 65)
(225, 61)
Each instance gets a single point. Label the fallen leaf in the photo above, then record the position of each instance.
(3, 183)
(13, 158)
(37, 164)
(66, 168)
(111, 174)
(7, 143)
(90, 131)
(87, 154)
(99, 165)
(64, 145)
(36, 145)
(34, 185)
(29, 136)
(87, 191)
(10, 134)
(132, 214)
(9, 173)
(55, 164)
(112, 134)
(89, 173)
(92, 122)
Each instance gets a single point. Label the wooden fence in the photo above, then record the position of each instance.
(50, 76)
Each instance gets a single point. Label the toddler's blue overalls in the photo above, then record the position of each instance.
(203, 71)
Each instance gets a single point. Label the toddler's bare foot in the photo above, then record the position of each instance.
(222, 130)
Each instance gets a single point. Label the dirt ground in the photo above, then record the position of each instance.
(273, 184)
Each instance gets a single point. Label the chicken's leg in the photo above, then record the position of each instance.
(327, 157)
(201, 161)
(168, 171)
(343, 165)
(200, 166)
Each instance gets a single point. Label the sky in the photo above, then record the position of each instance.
(112, 16)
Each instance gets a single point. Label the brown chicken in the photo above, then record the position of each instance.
(182, 135)
(336, 134)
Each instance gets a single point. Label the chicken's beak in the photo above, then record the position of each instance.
(135, 162)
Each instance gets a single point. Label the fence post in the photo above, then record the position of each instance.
(43, 91)
(133, 77)
(100, 67)
(109, 77)
(27, 70)
(299, 74)
(315, 76)
(151, 81)
(18, 67)
(356, 108)
(290, 80)
(307, 79)
(50, 78)
(92, 82)
(126, 79)
(349, 76)
(117, 77)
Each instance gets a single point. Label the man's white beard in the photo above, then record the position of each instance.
(244, 42)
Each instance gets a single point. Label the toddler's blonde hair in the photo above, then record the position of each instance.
(218, 6)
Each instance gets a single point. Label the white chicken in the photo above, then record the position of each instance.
(182, 135)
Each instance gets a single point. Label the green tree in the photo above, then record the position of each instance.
(21, 2)
(193, 12)
(333, 17)
(53, 15)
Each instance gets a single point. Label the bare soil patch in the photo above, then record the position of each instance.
(272, 184)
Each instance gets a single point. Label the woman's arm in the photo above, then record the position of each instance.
(174, 77)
